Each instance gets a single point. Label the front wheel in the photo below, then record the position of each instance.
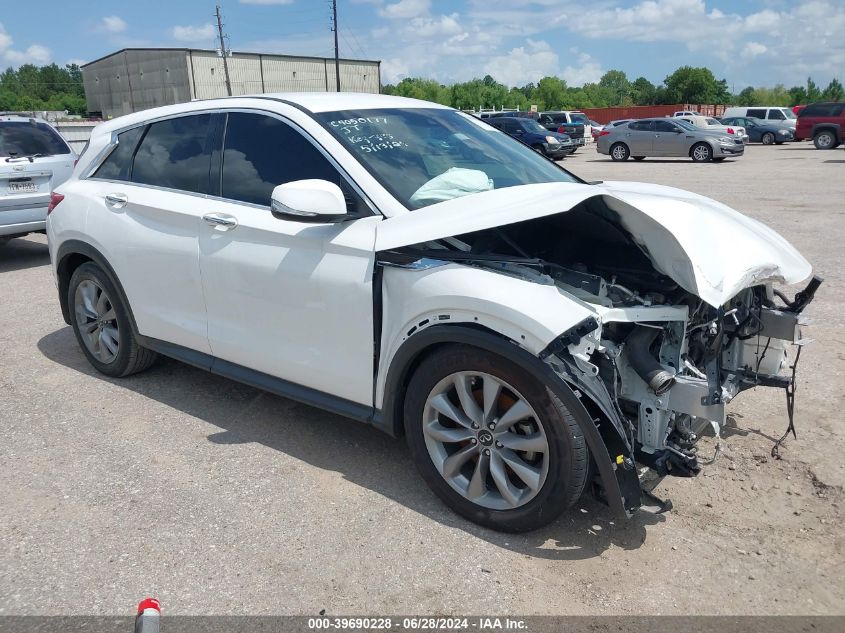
(620, 151)
(768, 138)
(102, 326)
(719, 159)
(638, 157)
(701, 153)
(824, 140)
(491, 441)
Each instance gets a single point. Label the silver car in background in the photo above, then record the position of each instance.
(34, 159)
(666, 137)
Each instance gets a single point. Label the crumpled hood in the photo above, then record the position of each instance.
(704, 246)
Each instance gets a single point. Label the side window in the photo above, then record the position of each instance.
(641, 126)
(756, 113)
(118, 164)
(664, 126)
(261, 152)
(176, 153)
(776, 115)
(836, 109)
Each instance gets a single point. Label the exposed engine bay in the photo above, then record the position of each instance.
(656, 360)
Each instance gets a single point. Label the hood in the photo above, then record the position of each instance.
(706, 247)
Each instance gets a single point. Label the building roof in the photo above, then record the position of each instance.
(212, 50)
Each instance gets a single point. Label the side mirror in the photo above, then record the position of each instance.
(308, 201)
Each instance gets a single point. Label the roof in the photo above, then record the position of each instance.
(211, 50)
(311, 102)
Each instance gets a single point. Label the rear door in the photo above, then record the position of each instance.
(147, 201)
(34, 160)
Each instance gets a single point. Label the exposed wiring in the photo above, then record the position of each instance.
(790, 408)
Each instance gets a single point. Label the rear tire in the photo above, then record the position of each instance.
(767, 139)
(619, 152)
(825, 140)
(701, 153)
(475, 467)
(102, 325)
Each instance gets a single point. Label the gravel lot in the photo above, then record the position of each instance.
(218, 498)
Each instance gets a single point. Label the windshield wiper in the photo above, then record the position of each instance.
(30, 157)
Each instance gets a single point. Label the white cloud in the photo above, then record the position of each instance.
(405, 9)
(428, 27)
(192, 33)
(34, 54)
(753, 49)
(587, 71)
(113, 24)
(524, 64)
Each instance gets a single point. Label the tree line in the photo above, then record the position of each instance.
(686, 85)
(42, 88)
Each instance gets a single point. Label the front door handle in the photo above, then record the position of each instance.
(117, 200)
(220, 221)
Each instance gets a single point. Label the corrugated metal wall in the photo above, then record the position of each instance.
(605, 115)
(137, 79)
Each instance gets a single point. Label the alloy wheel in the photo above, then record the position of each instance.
(486, 440)
(96, 320)
(701, 153)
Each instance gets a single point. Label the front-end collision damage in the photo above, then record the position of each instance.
(652, 333)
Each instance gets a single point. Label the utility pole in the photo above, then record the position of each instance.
(223, 52)
(336, 54)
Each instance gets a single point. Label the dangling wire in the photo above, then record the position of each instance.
(790, 408)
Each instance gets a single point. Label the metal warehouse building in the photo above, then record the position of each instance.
(135, 79)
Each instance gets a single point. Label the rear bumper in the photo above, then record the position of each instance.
(22, 228)
(23, 219)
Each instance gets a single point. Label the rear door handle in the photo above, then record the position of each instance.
(220, 221)
(117, 200)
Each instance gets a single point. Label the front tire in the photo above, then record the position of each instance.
(767, 139)
(102, 325)
(825, 140)
(701, 153)
(496, 445)
(619, 152)
(638, 157)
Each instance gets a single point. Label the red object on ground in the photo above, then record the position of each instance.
(149, 603)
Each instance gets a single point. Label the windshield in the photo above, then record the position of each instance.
(530, 125)
(423, 156)
(25, 138)
(579, 118)
(685, 124)
(789, 113)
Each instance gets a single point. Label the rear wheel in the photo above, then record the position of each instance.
(825, 140)
(701, 153)
(493, 442)
(767, 139)
(102, 326)
(619, 151)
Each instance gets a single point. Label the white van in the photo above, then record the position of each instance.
(768, 113)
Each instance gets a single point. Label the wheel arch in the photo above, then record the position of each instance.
(417, 347)
(70, 256)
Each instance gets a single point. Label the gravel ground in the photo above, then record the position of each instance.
(218, 498)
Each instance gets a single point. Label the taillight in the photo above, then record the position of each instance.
(560, 130)
(55, 199)
(604, 132)
(731, 130)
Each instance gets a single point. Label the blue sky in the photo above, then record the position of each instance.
(748, 42)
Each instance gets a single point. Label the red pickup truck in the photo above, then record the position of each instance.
(822, 122)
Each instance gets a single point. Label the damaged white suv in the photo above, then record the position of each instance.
(534, 336)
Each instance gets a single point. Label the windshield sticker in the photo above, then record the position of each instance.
(356, 132)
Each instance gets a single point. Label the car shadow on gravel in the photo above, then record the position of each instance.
(19, 254)
(362, 454)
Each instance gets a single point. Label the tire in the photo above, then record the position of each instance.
(719, 159)
(638, 157)
(767, 139)
(701, 153)
(825, 139)
(539, 149)
(102, 325)
(619, 152)
(556, 463)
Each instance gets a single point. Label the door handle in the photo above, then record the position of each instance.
(117, 200)
(220, 221)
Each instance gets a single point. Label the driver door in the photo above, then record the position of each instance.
(290, 299)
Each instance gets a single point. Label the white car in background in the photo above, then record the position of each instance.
(535, 337)
(34, 159)
(714, 125)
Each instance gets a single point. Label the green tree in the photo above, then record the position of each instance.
(746, 97)
(813, 92)
(643, 92)
(617, 87)
(797, 95)
(694, 85)
(550, 93)
(834, 91)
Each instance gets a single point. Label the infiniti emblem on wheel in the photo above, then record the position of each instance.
(485, 437)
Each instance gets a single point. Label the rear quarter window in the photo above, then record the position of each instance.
(118, 164)
(26, 138)
(822, 110)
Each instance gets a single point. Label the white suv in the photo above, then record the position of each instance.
(532, 335)
(34, 159)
